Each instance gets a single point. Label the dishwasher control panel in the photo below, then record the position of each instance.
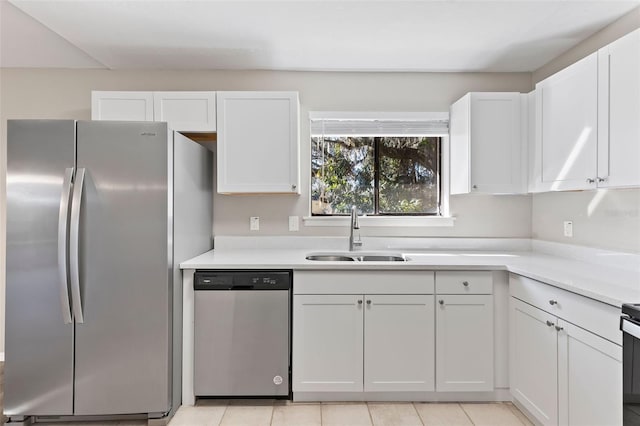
(242, 280)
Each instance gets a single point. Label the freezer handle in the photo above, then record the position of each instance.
(63, 235)
(74, 242)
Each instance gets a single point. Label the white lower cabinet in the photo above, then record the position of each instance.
(464, 343)
(327, 343)
(398, 343)
(351, 343)
(561, 373)
(589, 378)
(534, 362)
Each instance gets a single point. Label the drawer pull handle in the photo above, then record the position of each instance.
(368, 302)
(359, 301)
(559, 328)
(441, 302)
(465, 283)
(591, 180)
(550, 324)
(553, 302)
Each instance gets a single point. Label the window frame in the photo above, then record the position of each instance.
(444, 217)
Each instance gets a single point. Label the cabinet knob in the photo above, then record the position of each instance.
(550, 324)
(559, 328)
(368, 302)
(602, 179)
(441, 302)
(553, 302)
(465, 283)
(293, 187)
(359, 301)
(591, 180)
(475, 187)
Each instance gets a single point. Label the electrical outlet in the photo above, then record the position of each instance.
(254, 223)
(293, 224)
(568, 228)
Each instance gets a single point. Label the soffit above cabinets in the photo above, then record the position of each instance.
(312, 35)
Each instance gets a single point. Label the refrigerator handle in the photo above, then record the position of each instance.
(63, 232)
(74, 242)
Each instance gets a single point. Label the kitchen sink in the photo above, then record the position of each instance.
(330, 258)
(357, 257)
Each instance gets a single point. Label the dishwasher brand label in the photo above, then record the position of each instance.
(277, 380)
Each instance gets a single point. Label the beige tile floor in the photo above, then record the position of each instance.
(287, 413)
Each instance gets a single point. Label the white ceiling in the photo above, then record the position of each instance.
(351, 35)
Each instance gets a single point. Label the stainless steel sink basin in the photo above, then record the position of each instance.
(330, 258)
(383, 258)
(357, 257)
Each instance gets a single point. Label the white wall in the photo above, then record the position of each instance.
(59, 93)
(607, 219)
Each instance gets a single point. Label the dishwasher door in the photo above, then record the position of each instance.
(241, 342)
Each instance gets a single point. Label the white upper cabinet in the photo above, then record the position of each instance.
(487, 146)
(567, 106)
(258, 142)
(619, 112)
(588, 122)
(122, 106)
(183, 111)
(186, 111)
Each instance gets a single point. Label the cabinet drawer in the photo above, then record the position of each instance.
(596, 317)
(464, 282)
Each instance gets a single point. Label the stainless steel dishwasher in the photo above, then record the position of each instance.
(242, 333)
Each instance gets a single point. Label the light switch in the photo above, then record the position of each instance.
(254, 223)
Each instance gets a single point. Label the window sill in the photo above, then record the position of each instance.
(383, 221)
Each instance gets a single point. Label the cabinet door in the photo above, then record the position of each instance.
(589, 378)
(327, 343)
(398, 343)
(619, 112)
(186, 111)
(122, 106)
(459, 146)
(567, 103)
(497, 144)
(534, 366)
(464, 343)
(258, 142)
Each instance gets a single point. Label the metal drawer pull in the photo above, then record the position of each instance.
(550, 324)
(368, 302)
(559, 328)
(441, 302)
(359, 302)
(590, 180)
(465, 283)
(553, 302)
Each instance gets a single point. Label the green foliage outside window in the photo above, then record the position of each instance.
(378, 175)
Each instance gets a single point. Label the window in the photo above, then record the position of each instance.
(382, 166)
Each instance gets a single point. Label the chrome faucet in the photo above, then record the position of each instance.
(354, 242)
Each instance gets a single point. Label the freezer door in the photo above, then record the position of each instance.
(122, 345)
(38, 372)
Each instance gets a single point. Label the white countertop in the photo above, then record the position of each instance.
(611, 285)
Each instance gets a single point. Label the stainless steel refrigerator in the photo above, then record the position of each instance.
(99, 215)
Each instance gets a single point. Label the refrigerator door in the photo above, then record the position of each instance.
(38, 372)
(122, 344)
